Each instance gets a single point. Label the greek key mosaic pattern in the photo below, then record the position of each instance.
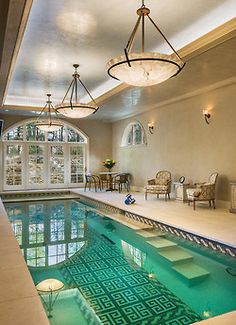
(118, 292)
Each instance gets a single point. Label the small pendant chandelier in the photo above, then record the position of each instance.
(70, 105)
(45, 122)
(145, 68)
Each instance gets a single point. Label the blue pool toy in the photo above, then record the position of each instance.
(129, 199)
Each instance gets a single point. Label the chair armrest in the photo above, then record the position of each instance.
(198, 184)
(96, 178)
(151, 182)
(208, 190)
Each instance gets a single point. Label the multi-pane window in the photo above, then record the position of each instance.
(47, 154)
(133, 135)
(57, 165)
(36, 164)
(13, 165)
(33, 133)
(35, 256)
(15, 134)
(76, 164)
(133, 253)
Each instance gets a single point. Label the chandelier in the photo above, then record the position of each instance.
(45, 122)
(144, 68)
(70, 105)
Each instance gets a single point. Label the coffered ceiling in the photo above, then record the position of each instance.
(59, 33)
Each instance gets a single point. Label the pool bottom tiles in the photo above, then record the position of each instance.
(116, 290)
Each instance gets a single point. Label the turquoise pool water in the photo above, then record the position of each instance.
(115, 275)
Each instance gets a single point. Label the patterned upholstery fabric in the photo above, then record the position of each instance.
(160, 185)
(203, 191)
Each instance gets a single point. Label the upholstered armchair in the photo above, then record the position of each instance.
(203, 192)
(159, 185)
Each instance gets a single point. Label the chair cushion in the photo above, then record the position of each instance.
(194, 192)
(156, 188)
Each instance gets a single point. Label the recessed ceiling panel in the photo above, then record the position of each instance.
(60, 33)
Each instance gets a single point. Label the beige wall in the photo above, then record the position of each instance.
(99, 133)
(183, 143)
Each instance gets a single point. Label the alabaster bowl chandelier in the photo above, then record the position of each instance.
(144, 68)
(45, 122)
(71, 106)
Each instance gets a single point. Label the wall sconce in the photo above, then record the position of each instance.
(207, 115)
(151, 127)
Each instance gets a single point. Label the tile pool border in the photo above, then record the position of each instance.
(192, 237)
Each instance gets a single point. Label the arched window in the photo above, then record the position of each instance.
(36, 159)
(134, 135)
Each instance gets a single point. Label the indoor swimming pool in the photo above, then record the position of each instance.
(113, 274)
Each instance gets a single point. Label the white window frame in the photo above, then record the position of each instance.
(46, 144)
(128, 129)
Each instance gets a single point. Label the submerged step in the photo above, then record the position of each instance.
(191, 271)
(161, 243)
(150, 233)
(176, 255)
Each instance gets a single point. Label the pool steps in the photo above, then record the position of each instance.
(150, 234)
(133, 224)
(181, 261)
(161, 243)
(191, 272)
(176, 255)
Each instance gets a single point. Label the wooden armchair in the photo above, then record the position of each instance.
(159, 185)
(92, 180)
(120, 180)
(203, 192)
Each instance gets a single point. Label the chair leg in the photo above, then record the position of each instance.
(168, 195)
(194, 204)
(210, 203)
(145, 195)
(188, 202)
(213, 202)
(85, 187)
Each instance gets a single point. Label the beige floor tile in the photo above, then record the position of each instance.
(16, 283)
(26, 311)
(217, 224)
(11, 257)
(226, 319)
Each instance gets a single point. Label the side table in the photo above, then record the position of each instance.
(233, 197)
(180, 191)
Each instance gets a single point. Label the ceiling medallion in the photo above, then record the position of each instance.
(45, 122)
(144, 68)
(70, 105)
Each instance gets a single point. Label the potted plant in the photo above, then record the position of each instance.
(109, 163)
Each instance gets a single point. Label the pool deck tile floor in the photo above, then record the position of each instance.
(216, 224)
(225, 319)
